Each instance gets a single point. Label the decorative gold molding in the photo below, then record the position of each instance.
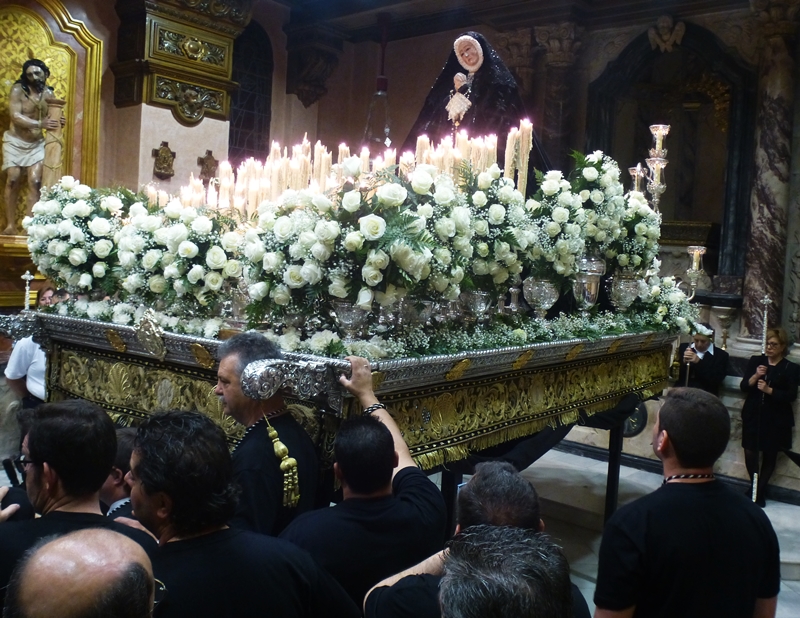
(90, 144)
(196, 51)
(189, 102)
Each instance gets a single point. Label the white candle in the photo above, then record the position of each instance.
(511, 151)
(365, 160)
(423, 145)
(211, 196)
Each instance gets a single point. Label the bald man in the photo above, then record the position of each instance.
(91, 573)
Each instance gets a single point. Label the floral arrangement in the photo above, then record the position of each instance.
(419, 234)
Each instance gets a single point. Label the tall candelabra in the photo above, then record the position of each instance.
(657, 162)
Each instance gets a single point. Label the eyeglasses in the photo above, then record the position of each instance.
(773, 344)
(24, 461)
(160, 592)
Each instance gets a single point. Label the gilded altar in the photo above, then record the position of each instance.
(446, 406)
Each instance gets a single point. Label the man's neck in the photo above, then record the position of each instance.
(169, 535)
(674, 468)
(72, 504)
(348, 493)
(270, 408)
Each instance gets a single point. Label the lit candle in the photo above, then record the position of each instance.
(365, 160)
(511, 143)
(696, 259)
(390, 157)
(344, 152)
(406, 163)
(152, 195)
(423, 145)
(211, 196)
(163, 198)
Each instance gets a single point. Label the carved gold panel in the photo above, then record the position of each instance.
(191, 49)
(189, 102)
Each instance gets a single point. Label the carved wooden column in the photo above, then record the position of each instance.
(561, 43)
(313, 56)
(769, 201)
(514, 48)
(178, 54)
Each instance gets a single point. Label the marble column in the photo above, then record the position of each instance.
(791, 286)
(561, 43)
(769, 200)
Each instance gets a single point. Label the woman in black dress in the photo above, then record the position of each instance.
(767, 416)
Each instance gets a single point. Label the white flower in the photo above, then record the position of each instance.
(137, 210)
(463, 245)
(445, 228)
(321, 251)
(482, 249)
(216, 258)
(425, 210)
(177, 234)
(272, 262)
(100, 226)
(231, 241)
(157, 284)
(257, 291)
(497, 214)
(187, 250)
(484, 181)
(81, 192)
(351, 201)
(213, 280)
(202, 225)
(338, 287)
(179, 285)
(327, 231)
(479, 199)
(377, 258)
(506, 194)
(132, 282)
(416, 224)
(550, 187)
(462, 218)
(560, 215)
(421, 181)
(364, 299)
(172, 272)
(351, 166)
(188, 215)
(99, 270)
(293, 277)
(284, 229)
(371, 275)
(68, 183)
(372, 227)
(552, 228)
(623, 259)
(195, 273)
(127, 259)
(254, 251)
(480, 267)
(321, 203)
(77, 256)
(353, 241)
(590, 173)
(112, 204)
(444, 196)
(311, 272)
(391, 194)
(85, 281)
(443, 255)
(439, 283)
(597, 196)
(173, 209)
(281, 295)
(150, 259)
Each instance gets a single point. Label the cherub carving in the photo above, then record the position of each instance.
(664, 36)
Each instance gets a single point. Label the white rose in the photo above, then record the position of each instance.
(254, 251)
(364, 300)
(281, 295)
(439, 283)
(338, 287)
(494, 171)
(187, 250)
(480, 267)
(590, 173)
(505, 194)
(202, 225)
(499, 274)
(99, 270)
(353, 241)
(231, 241)
(425, 210)
(445, 228)
(272, 262)
(640, 229)
(174, 209)
(484, 181)
(463, 245)
(68, 183)
(391, 194)
(551, 187)
(481, 227)
(306, 239)
(157, 284)
(321, 203)
(497, 214)
(462, 218)
(102, 248)
(161, 236)
(560, 215)
(600, 236)
(597, 196)
(81, 192)
(177, 234)
(482, 249)
(636, 260)
(351, 166)
(195, 273)
(443, 255)
(77, 256)
(371, 275)
(444, 196)
(327, 231)
(188, 215)
(293, 277)
(421, 181)
(172, 272)
(416, 224)
(623, 259)
(180, 287)
(257, 291)
(85, 281)
(213, 281)
(377, 258)
(372, 227)
(100, 226)
(311, 272)
(552, 228)
(351, 201)
(216, 258)
(479, 199)
(150, 259)
(321, 251)
(284, 229)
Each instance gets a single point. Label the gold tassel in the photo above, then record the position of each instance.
(291, 486)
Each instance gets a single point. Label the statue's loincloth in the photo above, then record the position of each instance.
(19, 153)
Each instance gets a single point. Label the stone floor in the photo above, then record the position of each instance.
(572, 490)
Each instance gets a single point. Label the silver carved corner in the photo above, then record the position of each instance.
(312, 381)
(24, 324)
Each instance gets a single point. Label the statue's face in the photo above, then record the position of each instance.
(35, 76)
(469, 56)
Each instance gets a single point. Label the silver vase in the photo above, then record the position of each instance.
(586, 286)
(350, 319)
(540, 294)
(477, 304)
(624, 290)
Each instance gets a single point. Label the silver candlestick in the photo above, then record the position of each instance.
(28, 277)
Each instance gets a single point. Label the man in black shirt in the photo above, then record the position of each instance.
(266, 504)
(496, 495)
(392, 515)
(692, 548)
(68, 453)
(707, 365)
(115, 493)
(182, 490)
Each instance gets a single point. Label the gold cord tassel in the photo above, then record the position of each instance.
(291, 486)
